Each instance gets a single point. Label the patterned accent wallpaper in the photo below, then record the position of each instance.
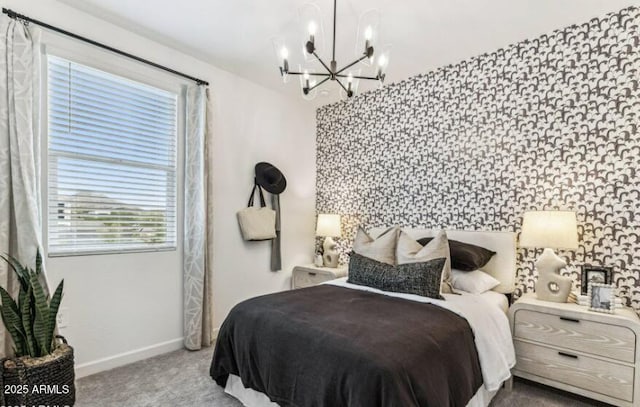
(548, 123)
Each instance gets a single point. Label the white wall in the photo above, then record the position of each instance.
(126, 307)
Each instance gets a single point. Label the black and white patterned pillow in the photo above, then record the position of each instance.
(414, 278)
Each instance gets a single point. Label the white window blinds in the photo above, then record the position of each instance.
(112, 162)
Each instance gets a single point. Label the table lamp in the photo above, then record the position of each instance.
(329, 227)
(550, 230)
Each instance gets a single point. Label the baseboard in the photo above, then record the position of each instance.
(122, 359)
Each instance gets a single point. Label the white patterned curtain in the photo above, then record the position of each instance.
(20, 221)
(198, 314)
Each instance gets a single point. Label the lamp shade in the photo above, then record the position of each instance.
(549, 229)
(328, 225)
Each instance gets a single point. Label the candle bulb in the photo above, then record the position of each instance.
(310, 46)
(313, 28)
(382, 62)
(350, 85)
(284, 53)
(368, 34)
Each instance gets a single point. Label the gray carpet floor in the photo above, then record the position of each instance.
(181, 378)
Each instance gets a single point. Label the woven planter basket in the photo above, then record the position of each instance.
(48, 380)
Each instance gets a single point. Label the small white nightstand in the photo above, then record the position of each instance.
(566, 346)
(309, 275)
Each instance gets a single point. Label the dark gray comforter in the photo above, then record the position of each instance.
(329, 346)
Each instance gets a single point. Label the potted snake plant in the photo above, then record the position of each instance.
(41, 370)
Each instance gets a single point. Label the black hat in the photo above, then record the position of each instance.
(270, 178)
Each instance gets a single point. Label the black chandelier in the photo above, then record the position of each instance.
(343, 76)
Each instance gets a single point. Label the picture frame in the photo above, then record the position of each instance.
(602, 297)
(594, 274)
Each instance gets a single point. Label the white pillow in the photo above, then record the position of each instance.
(382, 249)
(475, 282)
(409, 251)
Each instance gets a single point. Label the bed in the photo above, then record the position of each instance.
(344, 344)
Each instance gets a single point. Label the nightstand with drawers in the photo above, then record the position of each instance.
(571, 348)
(309, 275)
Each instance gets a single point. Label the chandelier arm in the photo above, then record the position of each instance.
(352, 64)
(343, 87)
(334, 28)
(319, 83)
(373, 78)
(322, 62)
(308, 73)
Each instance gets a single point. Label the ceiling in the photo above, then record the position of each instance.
(424, 34)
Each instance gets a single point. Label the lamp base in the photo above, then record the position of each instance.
(330, 254)
(551, 286)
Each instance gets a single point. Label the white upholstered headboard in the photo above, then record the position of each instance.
(502, 265)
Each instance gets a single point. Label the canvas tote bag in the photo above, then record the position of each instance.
(257, 223)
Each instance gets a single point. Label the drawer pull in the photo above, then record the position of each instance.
(311, 273)
(568, 355)
(570, 319)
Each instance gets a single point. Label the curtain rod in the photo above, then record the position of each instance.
(18, 16)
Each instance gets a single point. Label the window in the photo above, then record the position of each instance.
(111, 162)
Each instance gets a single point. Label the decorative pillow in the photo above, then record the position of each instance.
(409, 251)
(382, 249)
(413, 278)
(465, 256)
(475, 282)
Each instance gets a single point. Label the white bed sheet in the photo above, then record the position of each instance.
(486, 314)
(252, 398)
(495, 298)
